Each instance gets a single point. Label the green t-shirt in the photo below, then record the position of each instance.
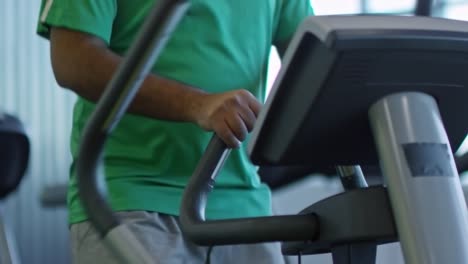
(219, 45)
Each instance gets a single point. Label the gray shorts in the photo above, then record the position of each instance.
(162, 238)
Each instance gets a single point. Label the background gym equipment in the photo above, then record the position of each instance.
(53, 196)
(14, 156)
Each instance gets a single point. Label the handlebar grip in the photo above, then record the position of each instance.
(244, 230)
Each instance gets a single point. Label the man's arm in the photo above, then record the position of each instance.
(84, 64)
(292, 14)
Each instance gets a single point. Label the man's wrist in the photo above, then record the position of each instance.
(195, 101)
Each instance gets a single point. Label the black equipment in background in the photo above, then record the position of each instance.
(14, 157)
(14, 153)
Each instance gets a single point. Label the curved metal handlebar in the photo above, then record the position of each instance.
(244, 230)
(114, 102)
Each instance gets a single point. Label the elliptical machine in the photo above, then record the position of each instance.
(14, 157)
(360, 90)
(353, 90)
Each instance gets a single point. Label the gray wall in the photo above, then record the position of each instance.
(28, 89)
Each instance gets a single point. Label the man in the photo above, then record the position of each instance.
(210, 77)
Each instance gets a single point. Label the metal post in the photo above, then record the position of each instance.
(423, 183)
(8, 252)
(112, 105)
(351, 177)
(423, 8)
(364, 6)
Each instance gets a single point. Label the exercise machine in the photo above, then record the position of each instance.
(14, 157)
(360, 90)
(279, 176)
(353, 90)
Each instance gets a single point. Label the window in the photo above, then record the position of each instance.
(330, 7)
(453, 9)
(389, 7)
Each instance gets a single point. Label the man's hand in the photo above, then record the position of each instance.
(231, 115)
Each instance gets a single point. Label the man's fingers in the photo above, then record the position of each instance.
(226, 135)
(231, 115)
(248, 117)
(237, 126)
(255, 106)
